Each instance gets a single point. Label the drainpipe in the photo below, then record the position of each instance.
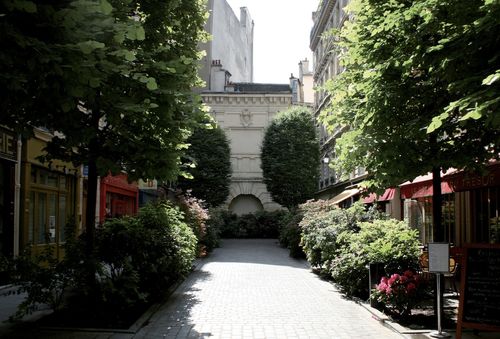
(17, 196)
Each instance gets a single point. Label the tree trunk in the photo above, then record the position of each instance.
(90, 224)
(91, 206)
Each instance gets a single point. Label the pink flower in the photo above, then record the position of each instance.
(403, 279)
(382, 286)
(395, 277)
(388, 291)
(383, 280)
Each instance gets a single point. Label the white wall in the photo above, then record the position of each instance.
(232, 41)
(244, 117)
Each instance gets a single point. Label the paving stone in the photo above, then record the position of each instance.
(253, 289)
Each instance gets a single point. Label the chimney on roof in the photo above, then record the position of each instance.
(219, 77)
(303, 68)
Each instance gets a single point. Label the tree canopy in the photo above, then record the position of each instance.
(420, 89)
(111, 79)
(210, 152)
(290, 157)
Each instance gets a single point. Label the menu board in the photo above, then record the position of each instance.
(480, 289)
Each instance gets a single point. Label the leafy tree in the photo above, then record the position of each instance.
(290, 157)
(209, 151)
(112, 79)
(419, 90)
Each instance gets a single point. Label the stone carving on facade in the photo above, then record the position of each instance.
(246, 118)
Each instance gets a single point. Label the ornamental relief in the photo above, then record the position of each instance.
(246, 118)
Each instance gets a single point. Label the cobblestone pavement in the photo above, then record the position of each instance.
(253, 289)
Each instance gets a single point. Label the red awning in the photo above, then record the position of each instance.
(423, 189)
(387, 195)
(370, 199)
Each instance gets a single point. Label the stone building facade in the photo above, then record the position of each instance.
(244, 110)
(330, 14)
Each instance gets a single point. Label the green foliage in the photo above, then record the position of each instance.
(136, 260)
(290, 157)
(341, 243)
(290, 234)
(321, 226)
(112, 78)
(419, 90)
(169, 250)
(261, 224)
(209, 151)
(6, 268)
(390, 242)
(43, 278)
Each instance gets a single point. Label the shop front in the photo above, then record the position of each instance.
(470, 206)
(478, 205)
(49, 196)
(118, 197)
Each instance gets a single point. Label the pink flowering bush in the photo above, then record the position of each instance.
(398, 293)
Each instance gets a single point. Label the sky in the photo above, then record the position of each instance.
(281, 36)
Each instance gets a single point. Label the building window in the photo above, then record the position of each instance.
(486, 215)
(418, 213)
(48, 206)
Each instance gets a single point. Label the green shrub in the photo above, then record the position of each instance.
(390, 242)
(6, 267)
(399, 293)
(262, 224)
(321, 225)
(290, 234)
(42, 277)
(168, 249)
(214, 225)
(136, 260)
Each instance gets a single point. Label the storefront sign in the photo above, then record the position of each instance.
(467, 181)
(7, 145)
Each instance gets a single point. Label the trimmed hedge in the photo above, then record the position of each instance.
(262, 224)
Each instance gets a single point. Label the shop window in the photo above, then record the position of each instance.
(448, 215)
(62, 218)
(418, 213)
(49, 207)
(486, 214)
(41, 204)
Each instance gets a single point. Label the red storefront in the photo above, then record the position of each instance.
(471, 205)
(118, 197)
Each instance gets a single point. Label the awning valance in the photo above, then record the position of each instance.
(423, 189)
(345, 195)
(386, 196)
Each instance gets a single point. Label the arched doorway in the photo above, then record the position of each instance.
(244, 204)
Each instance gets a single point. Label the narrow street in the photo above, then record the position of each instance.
(253, 289)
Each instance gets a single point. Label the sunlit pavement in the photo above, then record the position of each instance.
(245, 289)
(253, 289)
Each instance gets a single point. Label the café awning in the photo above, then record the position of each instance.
(345, 195)
(386, 196)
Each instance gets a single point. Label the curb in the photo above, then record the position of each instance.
(395, 327)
